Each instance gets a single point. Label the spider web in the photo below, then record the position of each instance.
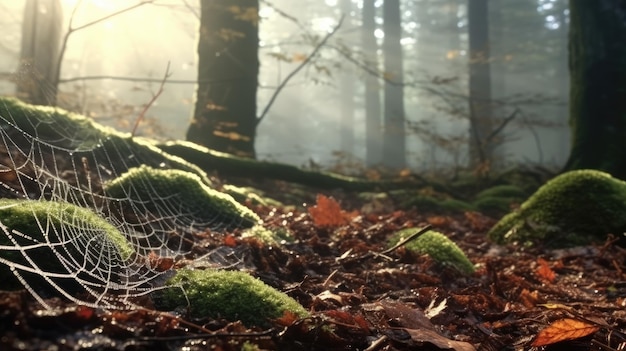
(82, 241)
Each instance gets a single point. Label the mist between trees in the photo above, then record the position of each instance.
(428, 85)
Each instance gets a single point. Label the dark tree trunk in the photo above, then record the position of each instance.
(394, 149)
(347, 95)
(598, 85)
(373, 125)
(41, 39)
(479, 84)
(228, 65)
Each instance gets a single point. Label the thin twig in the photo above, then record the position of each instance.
(154, 97)
(407, 239)
(295, 71)
(71, 29)
(506, 121)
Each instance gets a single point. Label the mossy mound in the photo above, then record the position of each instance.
(76, 132)
(438, 246)
(428, 203)
(498, 199)
(502, 191)
(575, 208)
(58, 238)
(231, 295)
(53, 124)
(158, 189)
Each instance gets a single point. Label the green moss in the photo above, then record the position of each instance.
(575, 208)
(53, 124)
(247, 194)
(57, 237)
(438, 246)
(494, 205)
(73, 131)
(267, 235)
(502, 191)
(228, 294)
(157, 188)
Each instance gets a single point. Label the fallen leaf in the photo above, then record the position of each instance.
(328, 213)
(424, 336)
(432, 310)
(564, 329)
(230, 241)
(544, 271)
(529, 299)
(288, 318)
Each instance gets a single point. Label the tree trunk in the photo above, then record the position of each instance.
(41, 39)
(394, 149)
(598, 85)
(228, 65)
(347, 95)
(373, 125)
(479, 84)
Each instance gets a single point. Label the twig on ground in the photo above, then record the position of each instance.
(407, 239)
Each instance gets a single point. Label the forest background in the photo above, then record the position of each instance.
(111, 69)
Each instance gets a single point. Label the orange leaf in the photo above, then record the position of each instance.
(288, 318)
(230, 241)
(327, 212)
(437, 221)
(564, 329)
(544, 271)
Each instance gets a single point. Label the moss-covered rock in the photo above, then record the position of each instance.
(438, 246)
(575, 208)
(59, 238)
(160, 191)
(231, 295)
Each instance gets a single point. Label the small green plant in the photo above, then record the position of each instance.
(232, 295)
(438, 246)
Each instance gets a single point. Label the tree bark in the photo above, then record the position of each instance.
(373, 125)
(394, 144)
(347, 90)
(479, 84)
(228, 65)
(598, 86)
(41, 40)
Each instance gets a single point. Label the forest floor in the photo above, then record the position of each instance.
(518, 299)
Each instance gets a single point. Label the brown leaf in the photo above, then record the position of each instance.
(544, 271)
(429, 336)
(564, 329)
(328, 213)
(288, 318)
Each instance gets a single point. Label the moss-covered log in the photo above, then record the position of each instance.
(228, 165)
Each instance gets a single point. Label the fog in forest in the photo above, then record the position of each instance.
(318, 119)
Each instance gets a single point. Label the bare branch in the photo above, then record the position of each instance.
(503, 124)
(71, 29)
(297, 69)
(154, 97)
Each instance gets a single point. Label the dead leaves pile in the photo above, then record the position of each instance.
(518, 299)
